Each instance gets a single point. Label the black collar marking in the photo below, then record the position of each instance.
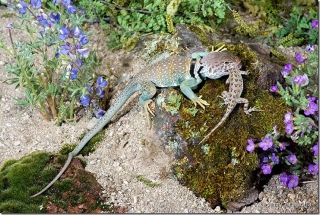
(192, 65)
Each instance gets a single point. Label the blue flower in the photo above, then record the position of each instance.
(71, 9)
(76, 31)
(65, 48)
(22, 7)
(101, 83)
(56, 17)
(89, 88)
(85, 100)
(64, 33)
(84, 52)
(99, 114)
(79, 63)
(74, 73)
(274, 158)
(274, 88)
(36, 3)
(83, 40)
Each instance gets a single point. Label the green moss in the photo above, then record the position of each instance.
(87, 149)
(22, 178)
(147, 181)
(7, 15)
(173, 103)
(221, 169)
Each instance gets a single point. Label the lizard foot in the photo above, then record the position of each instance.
(199, 101)
(251, 109)
(148, 111)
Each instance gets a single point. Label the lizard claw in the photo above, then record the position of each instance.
(251, 109)
(199, 101)
(148, 111)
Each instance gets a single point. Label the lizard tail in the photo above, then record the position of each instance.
(131, 88)
(221, 121)
(70, 156)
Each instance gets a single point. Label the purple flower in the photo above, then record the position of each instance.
(74, 73)
(301, 80)
(314, 24)
(299, 58)
(312, 107)
(293, 181)
(274, 88)
(313, 169)
(266, 168)
(265, 144)
(35, 3)
(101, 83)
(310, 48)
(85, 100)
(287, 67)
(22, 7)
(288, 117)
(315, 149)
(274, 158)
(292, 158)
(250, 147)
(289, 128)
(9, 26)
(284, 179)
(282, 146)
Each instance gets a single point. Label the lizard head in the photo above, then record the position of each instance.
(218, 64)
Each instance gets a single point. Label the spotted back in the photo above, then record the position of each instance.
(218, 64)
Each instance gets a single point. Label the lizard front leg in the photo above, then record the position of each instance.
(148, 91)
(186, 86)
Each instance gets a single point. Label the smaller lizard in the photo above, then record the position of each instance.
(232, 98)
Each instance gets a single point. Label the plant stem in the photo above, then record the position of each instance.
(72, 107)
(61, 102)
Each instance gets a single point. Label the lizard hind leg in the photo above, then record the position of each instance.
(148, 91)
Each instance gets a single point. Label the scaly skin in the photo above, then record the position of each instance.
(232, 98)
(170, 72)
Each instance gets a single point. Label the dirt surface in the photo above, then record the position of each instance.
(128, 149)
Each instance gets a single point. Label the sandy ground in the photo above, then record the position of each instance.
(128, 149)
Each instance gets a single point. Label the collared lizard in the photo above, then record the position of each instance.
(170, 72)
(232, 98)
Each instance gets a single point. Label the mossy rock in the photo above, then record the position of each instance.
(220, 170)
(75, 192)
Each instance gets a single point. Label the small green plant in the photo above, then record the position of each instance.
(53, 66)
(300, 26)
